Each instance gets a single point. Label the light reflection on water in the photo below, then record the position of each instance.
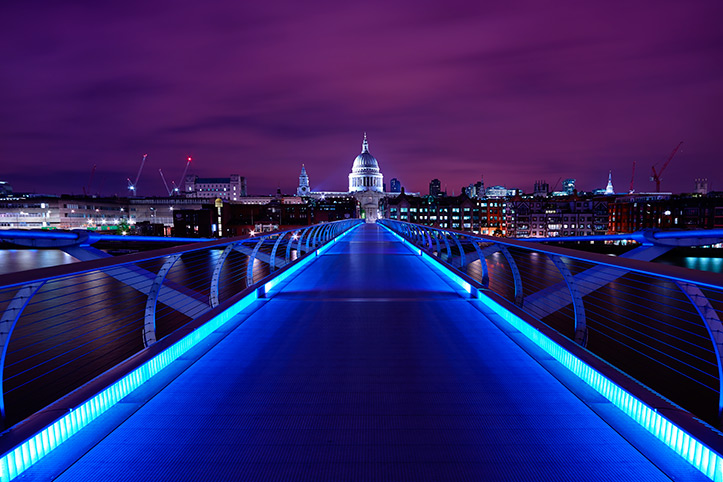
(700, 263)
(705, 264)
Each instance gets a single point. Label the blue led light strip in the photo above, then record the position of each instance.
(22, 457)
(699, 455)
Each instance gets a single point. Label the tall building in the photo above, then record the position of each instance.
(303, 189)
(435, 188)
(480, 187)
(227, 188)
(395, 185)
(365, 174)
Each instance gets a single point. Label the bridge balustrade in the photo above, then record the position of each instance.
(659, 324)
(62, 326)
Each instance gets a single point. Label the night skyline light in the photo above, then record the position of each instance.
(452, 90)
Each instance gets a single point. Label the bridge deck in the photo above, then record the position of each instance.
(365, 366)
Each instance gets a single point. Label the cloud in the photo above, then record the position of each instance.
(515, 91)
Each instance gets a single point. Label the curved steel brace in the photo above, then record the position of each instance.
(272, 265)
(413, 234)
(421, 236)
(317, 235)
(436, 241)
(304, 232)
(422, 233)
(323, 235)
(417, 235)
(579, 307)
(483, 263)
(9, 319)
(446, 243)
(462, 260)
(307, 244)
(149, 320)
(213, 295)
(714, 326)
(427, 238)
(328, 232)
(288, 246)
(519, 295)
(517, 279)
(312, 236)
(250, 264)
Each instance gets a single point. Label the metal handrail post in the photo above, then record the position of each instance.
(9, 319)
(250, 264)
(714, 327)
(581, 332)
(149, 320)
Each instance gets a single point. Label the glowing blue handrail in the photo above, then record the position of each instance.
(600, 271)
(27, 452)
(679, 438)
(76, 293)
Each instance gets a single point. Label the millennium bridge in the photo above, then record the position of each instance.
(353, 351)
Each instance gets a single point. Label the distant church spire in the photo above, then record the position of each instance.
(365, 144)
(609, 189)
(303, 189)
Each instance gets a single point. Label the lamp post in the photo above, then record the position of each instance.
(219, 205)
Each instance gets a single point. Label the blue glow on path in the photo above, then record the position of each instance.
(693, 451)
(365, 366)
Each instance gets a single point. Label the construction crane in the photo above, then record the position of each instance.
(133, 186)
(164, 181)
(657, 175)
(86, 192)
(632, 180)
(183, 177)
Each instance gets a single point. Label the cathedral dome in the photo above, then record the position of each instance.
(365, 174)
(365, 161)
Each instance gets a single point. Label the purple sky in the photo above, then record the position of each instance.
(515, 91)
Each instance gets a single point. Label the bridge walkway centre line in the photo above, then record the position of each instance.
(366, 365)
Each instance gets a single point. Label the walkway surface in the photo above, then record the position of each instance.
(366, 366)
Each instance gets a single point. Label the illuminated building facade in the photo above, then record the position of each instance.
(227, 188)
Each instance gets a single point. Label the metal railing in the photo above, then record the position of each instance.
(62, 326)
(659, 324)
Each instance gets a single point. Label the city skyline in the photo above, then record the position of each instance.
(455, 91)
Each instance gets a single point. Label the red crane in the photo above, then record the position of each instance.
(86, 192)
(656, 176)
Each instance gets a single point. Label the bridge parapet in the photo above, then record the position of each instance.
(655, 324)
(62, 326)
(660, 324)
